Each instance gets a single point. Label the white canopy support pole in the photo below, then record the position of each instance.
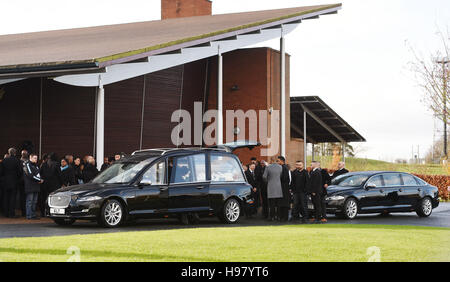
(219, 98)
(283, 94)
(312, 148)
(100, 130)
(305, 155)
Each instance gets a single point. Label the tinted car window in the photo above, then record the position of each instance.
(420, 181)
(409, 180)
(121, 172)
(155, 174)
(190, 169)
(352, 180)
(392, 179)
(377, 180)
(225, 168)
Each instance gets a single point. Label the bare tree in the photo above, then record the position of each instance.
(433, 76)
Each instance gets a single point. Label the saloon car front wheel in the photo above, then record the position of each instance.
(112, 214)
(231, 211)
(425, 207)
(350, 208)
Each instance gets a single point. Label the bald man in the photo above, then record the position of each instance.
(341, 170)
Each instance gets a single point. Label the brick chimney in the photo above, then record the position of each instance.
(185, 8)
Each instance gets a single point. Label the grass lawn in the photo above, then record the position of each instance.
(329, 242)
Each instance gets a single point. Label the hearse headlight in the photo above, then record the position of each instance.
(335, 198)
(89, 199)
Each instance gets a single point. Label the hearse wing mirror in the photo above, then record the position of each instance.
(371, 186)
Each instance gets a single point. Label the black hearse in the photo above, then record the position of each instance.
(186, 182)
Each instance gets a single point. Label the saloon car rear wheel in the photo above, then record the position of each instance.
(350, 208)
(231, 211)
(64, 222)
(112, 213)
(425, 208)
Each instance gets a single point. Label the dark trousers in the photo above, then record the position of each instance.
(273, 208)
(22, 198)
(300, 206)
(324, 205)
(265, 202)
(41, 201)
(9, 202)
(317, 202)
(283, 213)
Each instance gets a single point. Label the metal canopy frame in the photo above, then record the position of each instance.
(324, 125)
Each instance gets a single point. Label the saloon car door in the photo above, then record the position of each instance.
(393, 185)
(374, 194)
(189, 187)
(409, 192)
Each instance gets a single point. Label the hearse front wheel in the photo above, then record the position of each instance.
(231, 211)
(111, 214)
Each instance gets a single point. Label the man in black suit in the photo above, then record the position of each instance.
(252, 179)
(299, 188)
(341, 170)
(316, 190)
(326, 181)
(12, 172)
(284, 203)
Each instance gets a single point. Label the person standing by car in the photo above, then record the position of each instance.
(263, 188)
(285, 185)
(78, 170)
(316, 190)
(326, 181)
(89, 171)
(299, 188)
(33, 181)
(21, 185)
(341, 170)
(67, 174)
(272, 176)
(252, 179)
(12, 172)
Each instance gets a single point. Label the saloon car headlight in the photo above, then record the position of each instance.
(335, 198)
(89, 199)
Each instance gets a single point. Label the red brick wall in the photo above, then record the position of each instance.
(185, 8)
(256, 72)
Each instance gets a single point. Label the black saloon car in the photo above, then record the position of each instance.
(380, 192)
(186, 183)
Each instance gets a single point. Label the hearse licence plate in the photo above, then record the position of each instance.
(57, 211)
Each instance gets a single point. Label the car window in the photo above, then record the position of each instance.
(225, 168)
(155, 174)
(377, 180)
(392, 179)
(352, 180)
(189, 169)
(420, 181)
(409, 180)
(122, 172)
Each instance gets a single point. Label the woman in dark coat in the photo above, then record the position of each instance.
(89, 171)
(51, 173)
(67, 174)
(78, 170)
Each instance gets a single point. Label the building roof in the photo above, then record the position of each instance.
(322, 123)
(100, 46)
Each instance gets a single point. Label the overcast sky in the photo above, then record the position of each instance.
(356, 61)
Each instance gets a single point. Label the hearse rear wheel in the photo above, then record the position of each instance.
(231, 211)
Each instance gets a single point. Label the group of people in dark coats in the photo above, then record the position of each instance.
(275, 187)
(30, 181)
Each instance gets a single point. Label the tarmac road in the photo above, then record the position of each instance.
(439, 218)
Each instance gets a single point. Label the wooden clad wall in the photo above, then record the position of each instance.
(123, 111)
(67, 119)
(19, 114)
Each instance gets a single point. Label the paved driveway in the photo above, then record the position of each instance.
(439, 218)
